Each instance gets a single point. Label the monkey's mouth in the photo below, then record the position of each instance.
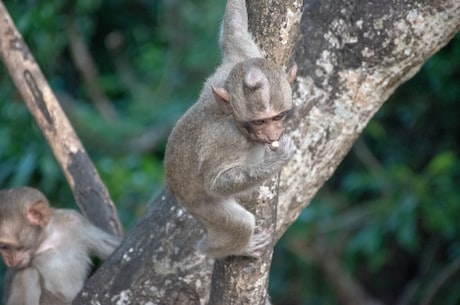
(273, 145)
(19, 265)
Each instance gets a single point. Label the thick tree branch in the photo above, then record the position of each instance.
(90, 193)
(352, 55)
(275, 26)
(157, 262)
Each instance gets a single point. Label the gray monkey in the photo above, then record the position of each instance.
(230, 141)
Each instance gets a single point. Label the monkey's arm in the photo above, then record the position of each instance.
(243, 177)
(24, 288)
(239, 179)
(235, 41)
(101, 243)
(97, 241)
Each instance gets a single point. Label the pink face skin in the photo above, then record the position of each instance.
(15, 256)
(267, 129)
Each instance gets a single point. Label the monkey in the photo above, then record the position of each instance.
(47, 251)
(231, 140)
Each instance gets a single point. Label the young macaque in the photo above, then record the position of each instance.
(46, 250)
(230, 141)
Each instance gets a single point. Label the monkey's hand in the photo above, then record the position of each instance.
(283, 152)
(228, 181)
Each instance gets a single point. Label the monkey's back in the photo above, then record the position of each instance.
(203, 140)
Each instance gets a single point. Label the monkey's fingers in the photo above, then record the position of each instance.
(258, 244)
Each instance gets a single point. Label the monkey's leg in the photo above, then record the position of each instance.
(229, 228)
(24, 288)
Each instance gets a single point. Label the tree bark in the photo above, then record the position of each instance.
(90, 193)
(275, 27)
(352, 55)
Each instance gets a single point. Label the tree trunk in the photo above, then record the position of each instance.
(351, 56)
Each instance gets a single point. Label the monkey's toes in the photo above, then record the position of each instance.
(259, 242)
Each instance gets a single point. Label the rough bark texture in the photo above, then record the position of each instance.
(275, 25)
(351, 56)
(157, 262)
(90, 193)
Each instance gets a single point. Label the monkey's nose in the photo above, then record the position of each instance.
(273, 137)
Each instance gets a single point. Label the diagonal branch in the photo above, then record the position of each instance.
(440, 280)
(90, 193)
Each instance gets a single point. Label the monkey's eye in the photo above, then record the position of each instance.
(280, 116)
(258, 122)
(5, 247)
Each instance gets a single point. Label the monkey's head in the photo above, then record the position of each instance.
(258, 95)
(24, 212)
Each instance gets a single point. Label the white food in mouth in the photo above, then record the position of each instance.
(275, 144)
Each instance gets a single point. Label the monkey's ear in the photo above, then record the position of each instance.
(292, 73)
(222, 98)
(39, 213)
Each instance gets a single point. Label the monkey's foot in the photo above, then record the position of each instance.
(258, 243)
